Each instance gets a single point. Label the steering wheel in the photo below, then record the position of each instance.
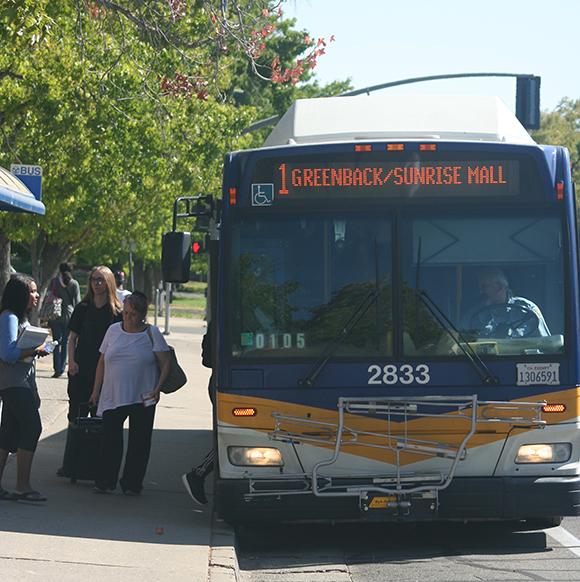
(505, 320)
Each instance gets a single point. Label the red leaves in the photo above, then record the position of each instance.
(310, 61)
(95, 11)
(178, 8)
(183, 86)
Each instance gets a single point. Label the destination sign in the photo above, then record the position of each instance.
(276, 180)
(453, 178)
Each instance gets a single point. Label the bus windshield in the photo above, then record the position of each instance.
(297, 279)
(499, 280)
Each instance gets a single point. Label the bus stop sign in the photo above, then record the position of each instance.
(30, 176)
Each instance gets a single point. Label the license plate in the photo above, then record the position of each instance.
(381, 502)
(535, 374)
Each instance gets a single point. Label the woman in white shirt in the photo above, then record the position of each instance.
(134, 364)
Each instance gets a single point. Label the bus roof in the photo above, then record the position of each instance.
(393, 117)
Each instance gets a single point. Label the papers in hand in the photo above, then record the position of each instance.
(31, 337)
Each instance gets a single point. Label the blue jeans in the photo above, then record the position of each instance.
(59, 356)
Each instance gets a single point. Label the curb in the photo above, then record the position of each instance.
(223, 560)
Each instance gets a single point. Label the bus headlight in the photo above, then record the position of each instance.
(255, 456)
(544, 453)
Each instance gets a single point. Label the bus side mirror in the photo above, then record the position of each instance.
(176, 257)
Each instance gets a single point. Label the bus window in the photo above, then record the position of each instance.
(500, 281)
(297, 280)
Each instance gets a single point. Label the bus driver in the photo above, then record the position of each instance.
(502, 314)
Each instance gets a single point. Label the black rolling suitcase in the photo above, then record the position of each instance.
(83, 449)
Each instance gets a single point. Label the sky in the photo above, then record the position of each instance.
(377, 41)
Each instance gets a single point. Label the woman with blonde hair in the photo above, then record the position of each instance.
(89, 322)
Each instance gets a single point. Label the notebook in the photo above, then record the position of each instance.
(31, 337)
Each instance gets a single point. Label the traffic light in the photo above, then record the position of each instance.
(198, 247)
(528, 101)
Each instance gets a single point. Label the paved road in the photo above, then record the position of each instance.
(427, 553)
(77, 535)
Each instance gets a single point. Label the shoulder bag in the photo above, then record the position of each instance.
(51, 306)
(177, 377)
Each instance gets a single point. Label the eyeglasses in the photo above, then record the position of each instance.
(98, 280)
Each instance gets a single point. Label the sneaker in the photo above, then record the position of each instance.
(103, 489)
(194, 486)
(131, 492)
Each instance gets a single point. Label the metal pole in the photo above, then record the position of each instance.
(156, 307)
(131, 270)
(167, 308)
(272, 120)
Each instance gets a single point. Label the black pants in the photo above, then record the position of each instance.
(140, 430)
(80, 387)
(20, 426)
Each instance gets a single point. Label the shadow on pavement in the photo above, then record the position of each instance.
(163, 514)
(315, 545)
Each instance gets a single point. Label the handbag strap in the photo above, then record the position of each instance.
(150, 336)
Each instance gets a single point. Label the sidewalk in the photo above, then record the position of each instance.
(161, 535)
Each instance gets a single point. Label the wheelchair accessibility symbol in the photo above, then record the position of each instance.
(262, 194)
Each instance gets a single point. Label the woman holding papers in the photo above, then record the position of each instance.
(20, 425)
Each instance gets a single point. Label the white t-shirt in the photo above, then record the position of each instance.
(122, 293)
(130, 366)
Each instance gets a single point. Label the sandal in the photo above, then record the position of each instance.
(7, 495)
(30, 496)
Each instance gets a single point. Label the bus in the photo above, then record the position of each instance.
(394, 311)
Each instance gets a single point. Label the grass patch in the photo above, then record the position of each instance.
(186, 314)
(194, 302)
(190, 306)
(193, 287)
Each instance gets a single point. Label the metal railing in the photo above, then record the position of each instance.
(404, 432)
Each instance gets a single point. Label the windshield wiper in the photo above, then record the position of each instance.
(471, 355)
(331, 348)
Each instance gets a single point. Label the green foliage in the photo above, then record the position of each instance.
(562, 127)
(87, 91)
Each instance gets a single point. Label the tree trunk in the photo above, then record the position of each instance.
(5, 247)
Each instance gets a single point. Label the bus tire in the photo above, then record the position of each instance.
(544, 522)
(534, 523)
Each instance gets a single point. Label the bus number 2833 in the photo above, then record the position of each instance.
(404, 374)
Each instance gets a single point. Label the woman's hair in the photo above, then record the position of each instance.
(112, 299)
(139, 302)
(17, 295)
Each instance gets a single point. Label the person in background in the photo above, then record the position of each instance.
(20, 426)
(120, 282)
(68, 289)
(88, 325)
(134, 363)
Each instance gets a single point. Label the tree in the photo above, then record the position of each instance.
(562, 127)
(125, 108)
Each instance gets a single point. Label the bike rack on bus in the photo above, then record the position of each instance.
(398, 438)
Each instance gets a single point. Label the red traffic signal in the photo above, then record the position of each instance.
(196, 247)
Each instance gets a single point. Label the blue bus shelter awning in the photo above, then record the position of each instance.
(16, 197)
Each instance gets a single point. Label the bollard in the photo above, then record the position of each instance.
(167, 308)
(157, 306)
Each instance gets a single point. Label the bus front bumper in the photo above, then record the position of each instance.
(466, 498)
